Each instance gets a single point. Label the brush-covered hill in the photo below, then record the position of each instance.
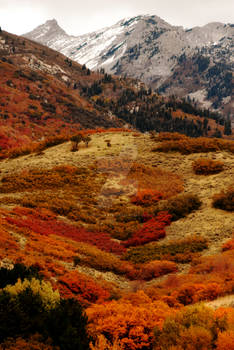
(116, 244)
(36, 97)
(43, 93)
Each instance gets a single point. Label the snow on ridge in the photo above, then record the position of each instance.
(146, 46)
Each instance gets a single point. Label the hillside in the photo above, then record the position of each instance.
(197, 62)
(37, 96)
(44, 94)
(110, 238)
(126, 226)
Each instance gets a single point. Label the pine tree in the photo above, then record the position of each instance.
(227, 126)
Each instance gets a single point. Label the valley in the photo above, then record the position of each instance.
(116, 210)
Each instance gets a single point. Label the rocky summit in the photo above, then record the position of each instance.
(196, 62)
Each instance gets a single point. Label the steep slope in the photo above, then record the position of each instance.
(148, 48)
(37, 94)
(44, 93)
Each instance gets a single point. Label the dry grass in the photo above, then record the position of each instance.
(158, 179)
(132, 171)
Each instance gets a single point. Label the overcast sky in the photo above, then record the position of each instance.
(82, 16)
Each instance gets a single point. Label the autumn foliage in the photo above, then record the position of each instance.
(203, 166)
(152, 230)
(45, 223)
(159, 180)
(229, 245)
(146, 197)
(85, 261)
(152, 269)
(169, 136)
(188, 145)
(181, 251)
(179, 206)
(41, 179)
(131, 321)
(151, 181)
(81, 287)
(193, 328)
(225, 340)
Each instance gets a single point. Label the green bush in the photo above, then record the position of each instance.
(24, 314)
(19, 271)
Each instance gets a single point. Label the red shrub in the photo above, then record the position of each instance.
(146, 197)
(152, 230)
(49, 225)
(229, 245)
(76, 285)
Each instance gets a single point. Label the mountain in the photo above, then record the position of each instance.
(196, 62)
(44, 94)
(110, 238)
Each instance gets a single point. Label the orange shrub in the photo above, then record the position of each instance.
(225, 340)
(41, 179)
(156, 179)
(51, 142)
(156, 269)
(193, 292)
(20, 151)
(229, 245)
(188, 145)
(146, 197)
(169, 136)
(203, 166)
(7, 242)
(147, 177)
(226, 313)
(130, 322)
(103, 261)
(223, 263)
(32, 147)
(81, 287)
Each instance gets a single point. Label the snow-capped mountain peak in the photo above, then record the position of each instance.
(148, 48)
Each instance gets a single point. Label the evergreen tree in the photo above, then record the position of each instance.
(227, 126)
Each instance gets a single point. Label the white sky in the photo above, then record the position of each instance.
(79, 17)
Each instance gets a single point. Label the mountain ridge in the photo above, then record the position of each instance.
(150, 49)
(44, 94)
